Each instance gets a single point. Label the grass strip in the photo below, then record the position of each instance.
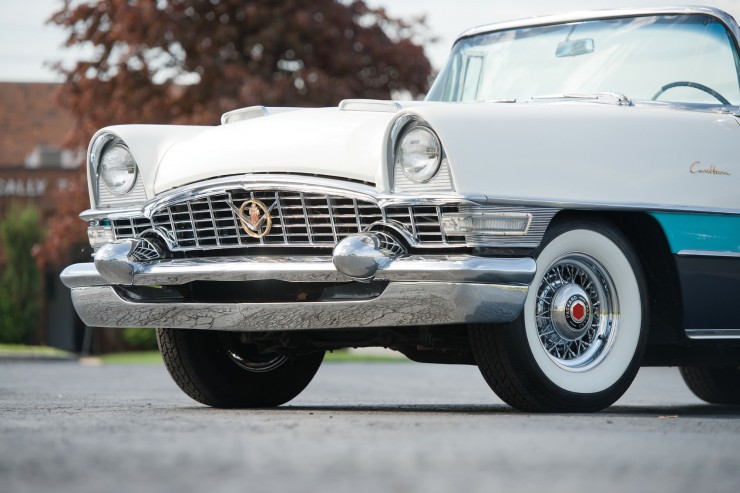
(132, 358)
(153, 357)
(341, 356)
(22, 350)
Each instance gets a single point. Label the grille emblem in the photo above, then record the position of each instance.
(255, 218)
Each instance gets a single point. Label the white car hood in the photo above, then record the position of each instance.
(324, 141)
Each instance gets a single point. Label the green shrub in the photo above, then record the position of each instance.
(20, 282)
(143, 339)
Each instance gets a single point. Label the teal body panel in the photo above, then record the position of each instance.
(708, 232)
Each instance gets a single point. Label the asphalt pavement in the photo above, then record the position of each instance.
(359, 427)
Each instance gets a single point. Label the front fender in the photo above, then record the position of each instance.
(148, 144)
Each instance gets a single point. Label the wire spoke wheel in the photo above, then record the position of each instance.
(577, 312)
(577, 345)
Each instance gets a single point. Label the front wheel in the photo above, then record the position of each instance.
(577, 345)
(715, 385)
(223, 369)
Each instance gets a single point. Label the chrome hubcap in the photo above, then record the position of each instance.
(570, 311)
(576, 312)
(247, 355)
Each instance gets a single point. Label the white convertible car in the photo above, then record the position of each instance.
(563, 208)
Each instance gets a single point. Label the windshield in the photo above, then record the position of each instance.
(676, 58)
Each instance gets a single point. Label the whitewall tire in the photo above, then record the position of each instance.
(578, 342)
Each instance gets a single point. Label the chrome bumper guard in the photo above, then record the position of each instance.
(421, 290)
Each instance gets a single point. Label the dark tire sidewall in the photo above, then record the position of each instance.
(223, 383)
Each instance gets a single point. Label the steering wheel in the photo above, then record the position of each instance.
(695, 85)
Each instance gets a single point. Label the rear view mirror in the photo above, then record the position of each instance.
(575, 47)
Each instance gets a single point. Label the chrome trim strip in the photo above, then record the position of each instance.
(400, 304)
(472, 200)
(93, 214)
(642, 206)
(713, 333)
(708, 253)
(442, 268)
(722, 16)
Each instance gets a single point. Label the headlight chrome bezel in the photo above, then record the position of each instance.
(101, 195)
(439, 183)
(422, 130)
(131, 167)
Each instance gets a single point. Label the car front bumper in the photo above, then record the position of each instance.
(418, 290)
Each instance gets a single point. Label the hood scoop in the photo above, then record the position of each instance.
(372, 105)
(242, 114)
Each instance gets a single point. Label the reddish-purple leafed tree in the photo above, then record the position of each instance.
(189, 61)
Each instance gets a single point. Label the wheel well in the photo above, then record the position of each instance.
(651, 245)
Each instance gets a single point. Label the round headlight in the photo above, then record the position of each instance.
(118, 169)
(419, 154)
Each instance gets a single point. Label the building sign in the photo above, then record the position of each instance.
(25, 187)
(38, 186)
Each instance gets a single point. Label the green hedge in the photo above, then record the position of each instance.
(20, 282)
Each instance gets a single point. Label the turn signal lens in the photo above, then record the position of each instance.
(100, 235)
(491, 224)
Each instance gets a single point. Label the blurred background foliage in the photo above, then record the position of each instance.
(21, 230)
(140, 339)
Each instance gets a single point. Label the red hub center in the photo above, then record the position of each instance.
(578, 311)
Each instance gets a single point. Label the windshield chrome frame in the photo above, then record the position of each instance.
(591, 15)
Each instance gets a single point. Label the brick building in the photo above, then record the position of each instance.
(33, 167)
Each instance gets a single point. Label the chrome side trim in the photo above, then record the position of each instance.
(478, 199)
(721, 15)
(627, 206)
(93, 214)
(443, 268)
(713, 333)
(400, 304)
(708, 253)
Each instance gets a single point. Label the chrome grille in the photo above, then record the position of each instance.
(424, 222)
(298, 219)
